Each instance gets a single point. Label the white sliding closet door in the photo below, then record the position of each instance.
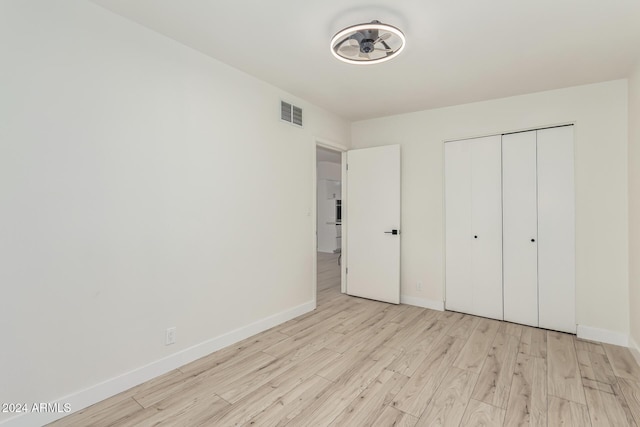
(556, 229)
(473, 203)
(458, 275)
(520, 228)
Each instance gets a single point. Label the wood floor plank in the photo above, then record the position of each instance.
(222, 378)
(292, 403)
(410, 333)
(252, 380)
(411, 315)
(605, 410)
(102, 414)
(355, 320)
(464, 326)
(450, 401)
(369, 405)
(351, 359)
(480, 414)
(326, 297)
(331, 317)
(190, 389)
(193, 410)
(564, 412)
(296, 352)
(496, 376)
(631, 391)
(622, 362)
(159, 387)
(450, 315)
(607, 388)
(602, 369)
(233, 353)
(361, 337)
(324, 311)
(302, 339)
(153, 394)
(527, 405)
(345, 364)
(378, 337)
(350, 362)
(391, 417)
(333, 303)
(595, 367)
(434, 329)
(477, 346)
(416, 394)
(511, 329)
(262, 397)
(563, 374)
(356, 331)
(623, 404)
(590, 346)
(327, 407)
(533, 342)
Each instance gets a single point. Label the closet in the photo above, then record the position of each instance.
(510, 227)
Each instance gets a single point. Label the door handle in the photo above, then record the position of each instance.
(394, 232)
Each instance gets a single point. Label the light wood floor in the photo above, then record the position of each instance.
(355, 362)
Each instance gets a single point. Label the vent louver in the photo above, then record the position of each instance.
(290, 113)
(297, 116)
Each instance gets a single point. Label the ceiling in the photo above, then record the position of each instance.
(457, 51)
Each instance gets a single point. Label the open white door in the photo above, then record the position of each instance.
(373, 215)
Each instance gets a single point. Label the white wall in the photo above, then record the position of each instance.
(600, 114)
(142, 186)
(327, 233)
(634, 206)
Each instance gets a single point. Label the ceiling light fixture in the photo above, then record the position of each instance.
(365, 44)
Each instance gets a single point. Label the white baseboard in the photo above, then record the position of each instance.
(635, 349)
(422, 302)
(603, 335)
(96, 393)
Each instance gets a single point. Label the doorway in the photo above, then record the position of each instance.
(329, 228)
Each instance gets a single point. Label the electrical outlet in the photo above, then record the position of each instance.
(170, 337)
(419, 285)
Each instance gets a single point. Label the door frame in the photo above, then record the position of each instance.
(334, 146)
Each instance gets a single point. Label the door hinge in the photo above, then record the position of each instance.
(347, 166)
(347, 272)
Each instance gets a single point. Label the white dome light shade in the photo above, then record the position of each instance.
(365, 44)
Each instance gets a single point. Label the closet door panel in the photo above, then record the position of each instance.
(458, 226)
(486, 224)
(556, 229)
(520, 223)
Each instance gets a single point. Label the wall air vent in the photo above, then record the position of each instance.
(290, 113)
